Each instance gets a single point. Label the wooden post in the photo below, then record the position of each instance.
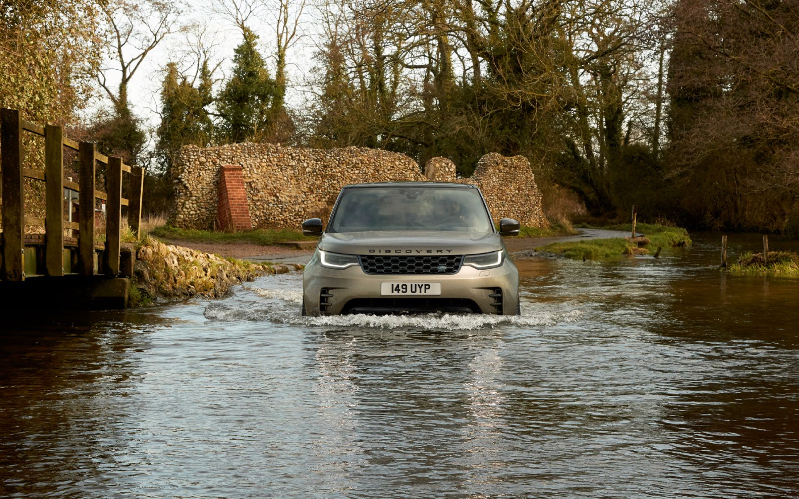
(54, 221)
(724, 252)
(765, 250)
(635, 217)
(86, 209)
(113, 223)
(134, 203)
(13, 196)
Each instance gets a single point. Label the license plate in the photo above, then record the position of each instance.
(410, 288)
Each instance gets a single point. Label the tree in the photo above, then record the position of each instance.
(184, 118)
(135, 29)
(734, 112)
(48, 55)
(245, 102)
(138, 27)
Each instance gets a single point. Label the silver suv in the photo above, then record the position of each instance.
(410, 247)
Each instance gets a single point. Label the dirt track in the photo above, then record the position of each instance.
(282, 254)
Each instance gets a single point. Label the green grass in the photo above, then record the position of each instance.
(659, 235)
(596, 249)
(554, 230)
(781, 263)
(263, 237)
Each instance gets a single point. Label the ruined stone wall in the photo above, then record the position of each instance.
(288, 185)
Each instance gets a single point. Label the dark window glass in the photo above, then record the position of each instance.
(409, 209)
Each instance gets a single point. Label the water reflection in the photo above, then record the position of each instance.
(643, 378)
(60, 384)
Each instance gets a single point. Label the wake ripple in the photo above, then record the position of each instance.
(282, 306)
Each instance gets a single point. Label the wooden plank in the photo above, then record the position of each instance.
(13, 196)
(113, 214)
(71, 225)
(101, 195)
(124, 202)
(72, 144)
(102, 158)
(33, 173)
(33, 128)
(134, 207)
(54, 196)
(86, 210)
(125, 168)
(72, 185)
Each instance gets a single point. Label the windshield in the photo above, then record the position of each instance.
(410, 208)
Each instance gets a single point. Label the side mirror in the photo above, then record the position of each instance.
(509, 227)
(312, 227)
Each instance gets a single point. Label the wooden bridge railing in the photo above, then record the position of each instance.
(13, 200)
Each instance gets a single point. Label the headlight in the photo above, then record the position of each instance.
(337, 260)
(485, 260)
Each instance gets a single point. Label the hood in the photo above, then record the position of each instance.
(410, 243)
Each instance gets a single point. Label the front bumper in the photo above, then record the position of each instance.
(333, 292)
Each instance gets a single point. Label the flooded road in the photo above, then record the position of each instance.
(644, 378)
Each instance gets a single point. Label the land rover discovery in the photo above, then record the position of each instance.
(410, 247)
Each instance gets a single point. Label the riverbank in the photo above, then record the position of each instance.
(165, 273)
(616, 242)
(779, 263)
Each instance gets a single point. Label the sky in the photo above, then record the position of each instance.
(223, 36)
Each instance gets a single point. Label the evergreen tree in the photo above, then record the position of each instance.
(245, 102)
(119, 134)
(184, 119)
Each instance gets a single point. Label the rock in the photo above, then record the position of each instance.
(165, 273)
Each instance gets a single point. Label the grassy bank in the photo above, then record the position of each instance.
(660, 236)
(554, 230)
(165, 273)
(780, 263)
(597, 249)
(263, 237)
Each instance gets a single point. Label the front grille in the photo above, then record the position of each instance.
(383, 306)
(411, 264)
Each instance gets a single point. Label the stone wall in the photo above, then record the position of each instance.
(288, 185)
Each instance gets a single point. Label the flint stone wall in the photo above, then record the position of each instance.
(287, 185)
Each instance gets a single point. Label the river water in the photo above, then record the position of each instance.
(643, 378)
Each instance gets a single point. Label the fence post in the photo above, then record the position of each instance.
(113, 222)
(724, 252)
(134, 203)
(86, 198)
(635, 217)
(54, 193)
(13, 196)
(765, 249)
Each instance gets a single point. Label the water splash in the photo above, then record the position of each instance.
(288, 295)
(285, 311)
(446, 322)
(277, 300)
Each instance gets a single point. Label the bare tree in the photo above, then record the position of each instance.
(135, 29)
